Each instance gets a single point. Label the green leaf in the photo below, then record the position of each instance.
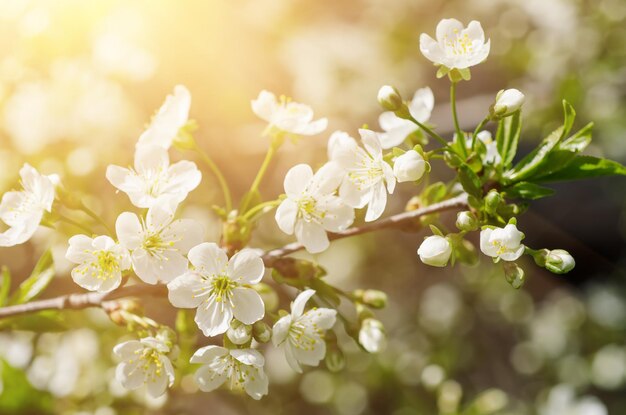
(435, 230)
(37, 282)
(49, 321)
(529, 164)
(579, 141)
(584, 167)
(19, 396)
(470, 181)
(507, 137)
(434, 193)
(528, 191)
(569, 115)
(5, 285)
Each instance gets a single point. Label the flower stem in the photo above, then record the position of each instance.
(218, 174)
(477, 130)
(95, 217)
(256, 209)
(455, 117)
(429, 131)
(77, 224)
(276, 143)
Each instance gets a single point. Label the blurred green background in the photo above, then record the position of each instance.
(80, 79)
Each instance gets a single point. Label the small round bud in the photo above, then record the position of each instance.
(374, 298)
(514, 274)
(492, 201)
(239, 333)
(389, 98)
(262, 332)
(507, 102)
(409, 167)
(559, 261)
(335, 360)
(466, 221)
(435, 251)
(372, 335)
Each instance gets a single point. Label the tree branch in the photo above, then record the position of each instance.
(107, 300)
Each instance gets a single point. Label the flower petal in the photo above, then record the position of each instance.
(128, 230)
(297, 306)
(377, 203)
(214, 317)
(248, 306)
(286, 216)
(312, 236)
(184, 291)
(246, 267)
(297, 179)
(208, 258)
(207, 354)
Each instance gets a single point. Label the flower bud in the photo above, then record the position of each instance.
(492, 201)
(559, 261)
(514, 274)
(262, 332)
(466, 221)
(507, 102)
(239, 333)
(409, 167)
(435, 251)
(372, 335)
(335, 360)
(389, 98)
(374, 298)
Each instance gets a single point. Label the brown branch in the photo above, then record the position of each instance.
(106, 300)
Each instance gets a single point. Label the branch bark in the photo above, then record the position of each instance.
(79, 301)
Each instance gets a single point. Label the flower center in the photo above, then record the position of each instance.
(151, 364)
(305, 337)
(459, 45)
(221, 288)
(366, 174)
(104, 266)
(307, 209)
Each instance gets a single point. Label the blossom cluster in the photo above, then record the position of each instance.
(225, 283)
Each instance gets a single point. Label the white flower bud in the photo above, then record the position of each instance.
(435, 251)
(466, 221)
(409, 167)
(239, 333)
(559, 261)
(389, 98)
(507, 102)
(372, 335)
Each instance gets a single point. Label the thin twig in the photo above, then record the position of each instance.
(85, 300)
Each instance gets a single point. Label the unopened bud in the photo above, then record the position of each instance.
(435, 251)
(466, 221)
(335, 360)
(559, 261)
(409, 167)
(492, 201)
(374, 298)
(514, 274)
(372, 335)
(262, 332)
(389, 98)
(239, 333)
(507, 102)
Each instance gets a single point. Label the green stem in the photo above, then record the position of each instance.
(276, 142)
(256, 209)
(455, 117)
(477, 130)
(218, 174)
(95, 217)
(77, 224)
(429, 131)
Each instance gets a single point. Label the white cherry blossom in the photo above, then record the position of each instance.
(146, 362)
(368, 177)
(456, 46)
(23, 210)
(220, 288)
(241, 369)
(286, 115)
(158, 243)
(100, 262)
(312, 206)
(301, 334)
(153, 177)
(397, 129)
(503, 243)
(168, 120)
